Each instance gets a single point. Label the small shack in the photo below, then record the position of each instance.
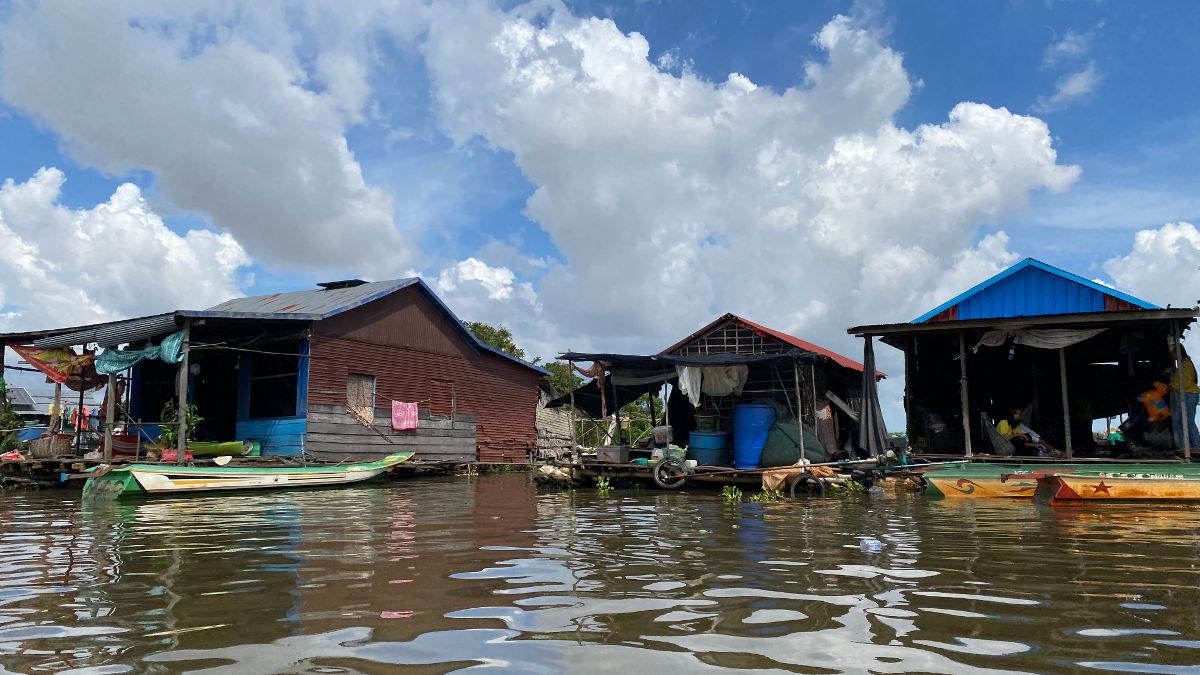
(727, 363)
(314, 373)
(1062, 349)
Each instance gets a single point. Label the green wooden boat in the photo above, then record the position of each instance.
(156, 480)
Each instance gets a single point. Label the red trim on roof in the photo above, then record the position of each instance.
(844, 361)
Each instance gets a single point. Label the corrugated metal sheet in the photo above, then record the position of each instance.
(501, 394)
(318, 302)
(792, 340)
(1033, 288)
(114, 333)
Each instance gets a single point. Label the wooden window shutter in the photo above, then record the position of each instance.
(360, 397)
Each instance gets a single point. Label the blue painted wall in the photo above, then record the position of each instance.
(1031, 292)
(279, 436)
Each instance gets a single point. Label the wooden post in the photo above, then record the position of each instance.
(80, 420)
(181, 444)
(616, 411)
(812, 372)
(963, 393)
(110, 406)
(1180, 409)
(56, 413)
(1066, 401)
(574, 438)
(799, 408)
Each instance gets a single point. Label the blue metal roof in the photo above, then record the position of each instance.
(1032, 288)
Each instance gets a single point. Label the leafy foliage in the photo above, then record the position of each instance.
(732, 494)
(495, 336)
(603, 486)
(562, 378)
(8, 420)
(767, 496)
(169, 418)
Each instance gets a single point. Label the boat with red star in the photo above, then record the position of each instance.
(1163, 485)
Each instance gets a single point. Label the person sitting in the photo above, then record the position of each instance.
(1021, 436)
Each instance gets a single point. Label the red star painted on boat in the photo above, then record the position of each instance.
(1102, 488)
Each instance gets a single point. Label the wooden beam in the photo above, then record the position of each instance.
(181, 429)
(574, 440)
(56, 413)
(963, 393)
(110, 404)
(799, 408)
(1066, 400)
(1180, 409)
(837, 400)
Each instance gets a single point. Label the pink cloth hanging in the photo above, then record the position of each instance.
(404, 416)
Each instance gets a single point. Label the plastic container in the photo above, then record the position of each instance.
(674, 452)
(709, 448)
(662, 435)
(751, 424)
(870, 545)
(707, 422)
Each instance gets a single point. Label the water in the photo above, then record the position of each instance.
(456, 573)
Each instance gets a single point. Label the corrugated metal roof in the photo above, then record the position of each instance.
(311, 305)
(1032, 288)
(844, 361)
(19, 398)
(113, 333)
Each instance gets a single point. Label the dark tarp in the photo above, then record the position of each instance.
(587, 397)
(872, 433)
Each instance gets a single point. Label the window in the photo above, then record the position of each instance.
(360, 397)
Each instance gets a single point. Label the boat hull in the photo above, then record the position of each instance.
(1160, 486)
(1008, 481)
(149, 480)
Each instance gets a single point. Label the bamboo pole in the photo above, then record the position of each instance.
(181, 441)
(963, 393)
(1066, 400)
(1180, 409)
(799, 408)
(109, 414)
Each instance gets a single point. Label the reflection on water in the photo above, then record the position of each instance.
(443, 574)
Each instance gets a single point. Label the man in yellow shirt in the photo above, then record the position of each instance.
(1186, 399)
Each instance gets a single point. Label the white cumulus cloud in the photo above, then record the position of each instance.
(1163, 266)
(61, 266)
(673, 198)
(239, 110)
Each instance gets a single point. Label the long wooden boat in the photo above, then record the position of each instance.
(154, 480)
(1164, 484)
(1020, 481)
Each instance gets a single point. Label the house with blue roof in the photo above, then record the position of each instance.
(1067, 351)
(315, 372)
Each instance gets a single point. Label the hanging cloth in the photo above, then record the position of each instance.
(711, 380)
(404, 416)
(64, 366)
(1049, 338)
(112, 360)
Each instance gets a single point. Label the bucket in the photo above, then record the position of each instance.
(751, 424)
(662, 435)
(709, 448)
(707, 422)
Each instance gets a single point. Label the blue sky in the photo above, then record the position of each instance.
(543, 173)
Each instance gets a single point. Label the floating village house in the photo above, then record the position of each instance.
(803, 380)
(314, 373)
(1066, 350)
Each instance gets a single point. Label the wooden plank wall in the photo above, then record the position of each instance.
(333, 434)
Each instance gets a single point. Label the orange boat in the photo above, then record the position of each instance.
(1166, 485)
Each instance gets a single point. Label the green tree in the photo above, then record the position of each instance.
(8, 421)
(495, 336)
(562, 378)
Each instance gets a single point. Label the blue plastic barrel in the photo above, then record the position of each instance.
(709, 448)
(751, 423)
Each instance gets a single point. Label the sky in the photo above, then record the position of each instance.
(595, 175)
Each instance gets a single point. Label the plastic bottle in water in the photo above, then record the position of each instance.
(870, 545)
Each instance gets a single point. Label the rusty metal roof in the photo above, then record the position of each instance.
(313, 305)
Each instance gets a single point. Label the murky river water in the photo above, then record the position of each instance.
(451, 573)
